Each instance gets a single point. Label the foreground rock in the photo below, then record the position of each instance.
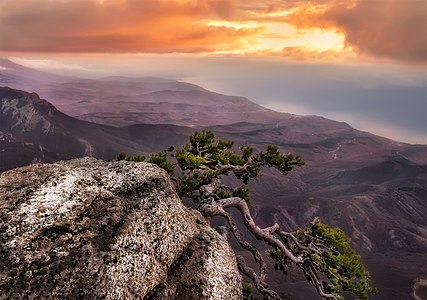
(89, 229)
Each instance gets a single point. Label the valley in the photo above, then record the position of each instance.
(374, 188)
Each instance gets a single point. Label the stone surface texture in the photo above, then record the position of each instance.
(90, 229)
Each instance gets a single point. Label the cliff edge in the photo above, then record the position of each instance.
(89, 229)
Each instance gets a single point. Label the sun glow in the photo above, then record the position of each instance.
(273, 37)
(318, 40)
(230, 24)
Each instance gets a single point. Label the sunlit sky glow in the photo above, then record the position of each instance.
(247, 27)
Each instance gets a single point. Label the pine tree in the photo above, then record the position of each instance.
(322, 253)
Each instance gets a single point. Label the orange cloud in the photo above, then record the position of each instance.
(117, 26)
(298, 53)
(395, 29)
(392, 29)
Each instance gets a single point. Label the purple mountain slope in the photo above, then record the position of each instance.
(121, 101)
(33, 130)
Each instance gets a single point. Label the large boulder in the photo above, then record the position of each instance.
(89, 229)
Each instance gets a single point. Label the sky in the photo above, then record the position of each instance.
(359, 61)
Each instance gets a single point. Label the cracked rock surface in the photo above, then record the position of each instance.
(90, 229)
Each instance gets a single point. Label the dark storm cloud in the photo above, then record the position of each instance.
(393, 28)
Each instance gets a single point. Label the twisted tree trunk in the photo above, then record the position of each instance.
(272, 235)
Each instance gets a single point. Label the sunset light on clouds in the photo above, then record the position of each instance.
(294, 29)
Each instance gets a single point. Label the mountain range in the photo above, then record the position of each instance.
(121, 101)
(372, 187)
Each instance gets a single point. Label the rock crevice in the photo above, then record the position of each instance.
(89, 229)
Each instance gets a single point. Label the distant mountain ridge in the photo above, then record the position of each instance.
(33, 130)
(122, 101)
(373, 187)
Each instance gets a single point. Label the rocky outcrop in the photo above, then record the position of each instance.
(89, 229)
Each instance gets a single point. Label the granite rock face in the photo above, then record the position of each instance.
(89, 229)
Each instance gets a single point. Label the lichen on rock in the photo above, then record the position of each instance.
(89, 229)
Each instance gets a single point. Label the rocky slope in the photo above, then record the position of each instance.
(33, 130)
(89, 229)
(368, 185)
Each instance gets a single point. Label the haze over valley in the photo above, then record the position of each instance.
(385, 99)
